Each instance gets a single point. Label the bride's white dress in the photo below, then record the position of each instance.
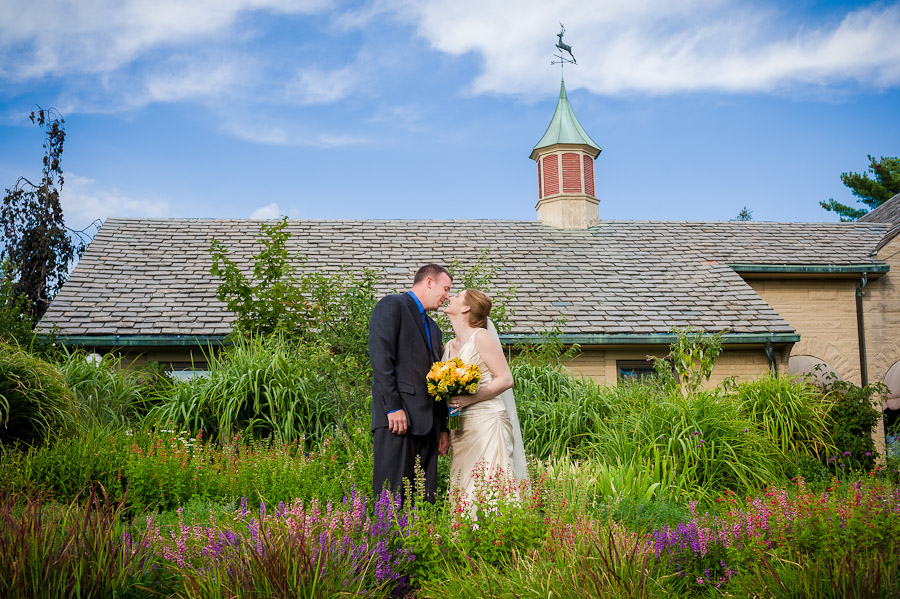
(486, 439)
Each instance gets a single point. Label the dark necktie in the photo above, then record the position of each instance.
(427, 333)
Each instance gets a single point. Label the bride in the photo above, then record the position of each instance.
(489, 426)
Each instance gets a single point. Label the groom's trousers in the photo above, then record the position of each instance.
(395, 460)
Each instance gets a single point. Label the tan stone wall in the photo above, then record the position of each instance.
(823, 311)
(743, 364)
(881, 300)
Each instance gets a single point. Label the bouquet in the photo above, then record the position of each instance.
(453, 377)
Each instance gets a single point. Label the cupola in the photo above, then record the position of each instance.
(565, 158)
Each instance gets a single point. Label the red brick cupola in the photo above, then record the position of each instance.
(565, 158)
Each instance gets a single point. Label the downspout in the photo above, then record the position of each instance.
(770, 354)
(861, 331)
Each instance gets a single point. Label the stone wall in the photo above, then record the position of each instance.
(741, 363)
(823, 311)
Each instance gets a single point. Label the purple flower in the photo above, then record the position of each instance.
(846, 453)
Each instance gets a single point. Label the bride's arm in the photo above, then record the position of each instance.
(492, 353)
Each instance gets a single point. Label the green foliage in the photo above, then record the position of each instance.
(64, 468)
(15, 315)
(692, 356)
(35, 402)
(870, 192)
(547, 350)
(793, 413)
(111, 391)
(272, 301)
(479, 274)
(263, 387)
(37, 245)
(306, 307)
(854, 412)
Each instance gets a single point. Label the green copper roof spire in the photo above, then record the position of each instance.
(564, 127)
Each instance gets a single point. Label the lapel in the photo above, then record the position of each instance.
(414, 310)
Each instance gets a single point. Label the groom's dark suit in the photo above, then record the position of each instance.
(400, 357)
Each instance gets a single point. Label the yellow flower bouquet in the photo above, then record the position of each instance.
(453, 377)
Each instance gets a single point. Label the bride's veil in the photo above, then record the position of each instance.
(520, 467)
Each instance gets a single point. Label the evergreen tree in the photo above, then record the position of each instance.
(871, 192)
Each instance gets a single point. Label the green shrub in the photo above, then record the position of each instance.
(35, 402)
(854, 414)
(67, 467)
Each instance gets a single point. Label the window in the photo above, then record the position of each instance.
(634, 370)
(185, 371)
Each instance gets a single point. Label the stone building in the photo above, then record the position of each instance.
(789, 295)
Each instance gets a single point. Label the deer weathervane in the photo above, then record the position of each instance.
(564, 47)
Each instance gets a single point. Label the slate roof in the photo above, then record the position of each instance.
(151, 276)
(889, 213)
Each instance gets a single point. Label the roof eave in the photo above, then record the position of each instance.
(872, 270)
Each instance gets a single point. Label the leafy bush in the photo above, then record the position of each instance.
(854, 414)
(35, 402)
(305, 306)
(65, 468)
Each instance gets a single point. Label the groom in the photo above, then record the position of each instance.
(407, 423)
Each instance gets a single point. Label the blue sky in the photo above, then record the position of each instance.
(429, 109)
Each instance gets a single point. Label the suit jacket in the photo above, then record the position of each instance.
(400, 358)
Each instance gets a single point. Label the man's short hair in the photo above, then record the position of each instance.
(430, 270)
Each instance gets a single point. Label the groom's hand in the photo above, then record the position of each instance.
(444, 443)
(397, 422)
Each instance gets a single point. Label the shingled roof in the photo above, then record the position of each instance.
(888, 212)
(149, 277)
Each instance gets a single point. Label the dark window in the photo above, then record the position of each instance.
(633, 370)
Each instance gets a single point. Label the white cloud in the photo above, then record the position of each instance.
(264, 132)
(661, 46)
(83, 203)
(53, 37)
(317, 86)
(270, 211)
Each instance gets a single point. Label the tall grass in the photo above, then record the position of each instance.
(112, 391)
(263, 388)
(792, 412)
(75, 550)
(645, 441)
(703, 444)
(559, 413)
(35, 402)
